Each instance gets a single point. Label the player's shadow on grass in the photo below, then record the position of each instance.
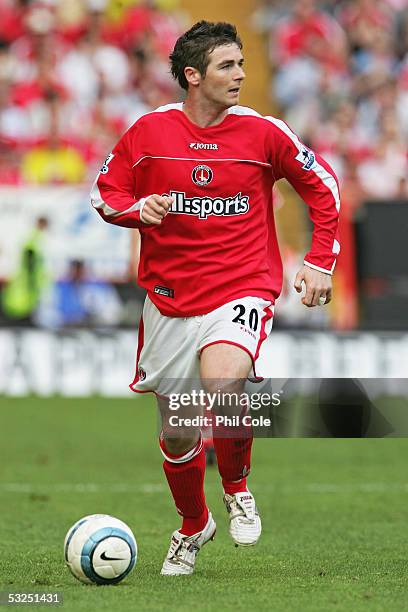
(331, 408)
(347, 411)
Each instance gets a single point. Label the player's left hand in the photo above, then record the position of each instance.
(318, 286)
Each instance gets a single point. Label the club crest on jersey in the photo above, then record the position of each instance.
(202, 175)
(306, 158)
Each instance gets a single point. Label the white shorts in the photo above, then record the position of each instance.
(169, 348)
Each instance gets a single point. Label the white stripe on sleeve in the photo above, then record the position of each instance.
(326, 178)
(310, 265)
(98, 203)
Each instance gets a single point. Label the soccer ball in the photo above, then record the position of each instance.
(100, 549)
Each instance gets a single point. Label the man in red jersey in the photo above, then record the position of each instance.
(196, 179)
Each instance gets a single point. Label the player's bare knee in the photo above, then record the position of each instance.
(179, 446)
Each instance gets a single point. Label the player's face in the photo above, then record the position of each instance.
(223, 79)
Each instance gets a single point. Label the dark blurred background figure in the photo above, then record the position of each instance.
(22, 294)
(78, 300)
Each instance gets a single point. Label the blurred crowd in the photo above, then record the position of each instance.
(340, 78)
(74, 75)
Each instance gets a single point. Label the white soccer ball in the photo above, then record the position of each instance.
(100, 549)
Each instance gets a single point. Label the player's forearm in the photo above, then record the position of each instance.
(115, 206)
(320, 191)
(131, 220)
(316, 183)
(325, 243)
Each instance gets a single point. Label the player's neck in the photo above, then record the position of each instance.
(203, 114)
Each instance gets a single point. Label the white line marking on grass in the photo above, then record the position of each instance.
(154, 488)
(363, 487)
(86, 487)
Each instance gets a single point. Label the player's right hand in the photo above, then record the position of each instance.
(155, 209)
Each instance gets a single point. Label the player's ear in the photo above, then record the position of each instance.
(193, 76)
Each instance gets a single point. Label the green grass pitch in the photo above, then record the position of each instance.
(334, 514)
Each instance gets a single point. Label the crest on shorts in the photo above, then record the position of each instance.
(202, 175)
(142, 374)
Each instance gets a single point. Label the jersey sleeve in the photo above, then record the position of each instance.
(316, 183)
(113, 192)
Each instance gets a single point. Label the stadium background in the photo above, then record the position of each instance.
(74, 74)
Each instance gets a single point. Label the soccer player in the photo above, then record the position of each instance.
(196, 179)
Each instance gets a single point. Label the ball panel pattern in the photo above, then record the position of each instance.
(84, 549)
(88, 551)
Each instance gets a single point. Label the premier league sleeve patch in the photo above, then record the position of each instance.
(307, 158)
(104, 169)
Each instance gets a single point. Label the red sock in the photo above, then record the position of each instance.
(185, 475)
(233, 457)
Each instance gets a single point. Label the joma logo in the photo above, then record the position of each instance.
(203, 145)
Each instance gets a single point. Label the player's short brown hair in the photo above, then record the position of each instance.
(193, 48)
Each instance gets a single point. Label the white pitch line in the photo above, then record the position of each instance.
(154, 488)
(87, 487)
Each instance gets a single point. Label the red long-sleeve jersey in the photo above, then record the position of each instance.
(218, 241)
